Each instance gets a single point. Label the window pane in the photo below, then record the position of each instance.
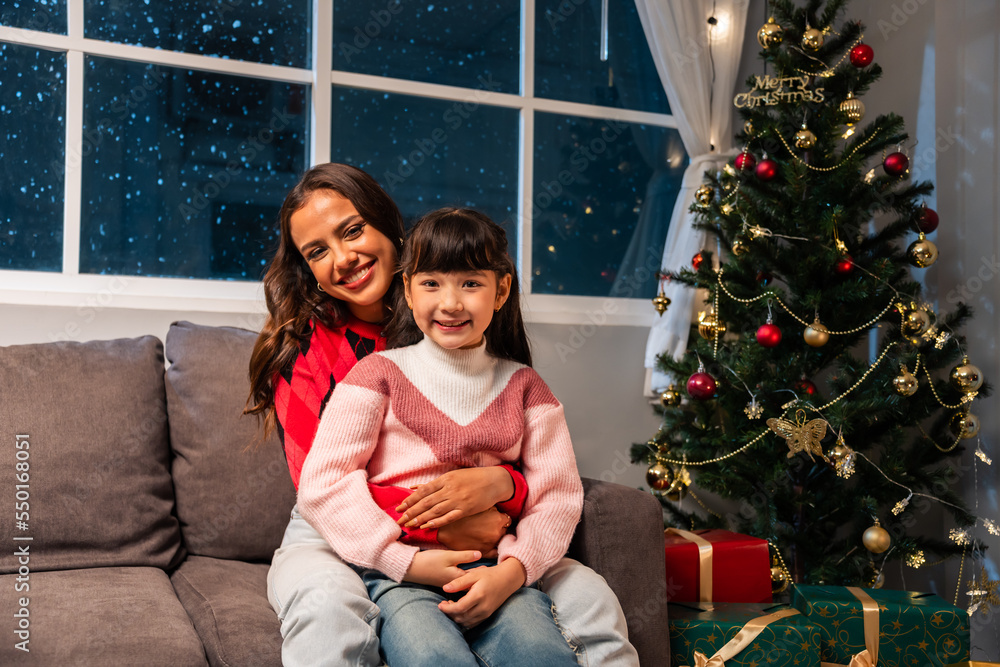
(187, 169)
(431, 153)
(468, 44)
(604, 192)
(32, 158)
(42, 15)
(275, 32)
(568, 66)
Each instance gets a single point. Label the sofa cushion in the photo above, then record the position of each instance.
(98, 616)
(234, 493)
(97, 489)
(227, 600)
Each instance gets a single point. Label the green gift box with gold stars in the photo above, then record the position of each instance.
(904, 629)
(727, 630)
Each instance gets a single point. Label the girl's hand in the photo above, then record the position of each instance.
(454, 495)
(437, 567)
(487, 588)
(480, 531)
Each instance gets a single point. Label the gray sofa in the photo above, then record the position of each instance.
(140, 515)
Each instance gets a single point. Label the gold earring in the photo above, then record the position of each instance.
(320, 287)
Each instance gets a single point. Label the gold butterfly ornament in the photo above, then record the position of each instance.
(801, 435)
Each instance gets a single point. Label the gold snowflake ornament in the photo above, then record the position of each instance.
(801, 436)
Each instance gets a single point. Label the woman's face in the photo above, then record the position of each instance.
(350, 259)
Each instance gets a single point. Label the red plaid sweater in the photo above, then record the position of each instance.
(303, 389)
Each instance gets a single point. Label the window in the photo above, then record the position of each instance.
(156, 141)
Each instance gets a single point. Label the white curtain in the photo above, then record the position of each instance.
(684, 46)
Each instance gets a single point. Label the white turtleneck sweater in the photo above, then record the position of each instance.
(405, 416)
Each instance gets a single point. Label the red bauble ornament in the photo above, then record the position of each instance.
(862, 55)
(701, 386)
(806, 387)
(896, 164)
(744, 161)
(927, 220)
(766, 169)
(696, 261)
(769, 335)
(844, 265)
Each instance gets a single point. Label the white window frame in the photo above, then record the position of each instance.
(73, 289)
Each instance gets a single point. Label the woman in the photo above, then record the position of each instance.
(327, 289)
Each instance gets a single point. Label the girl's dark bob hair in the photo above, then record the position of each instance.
(461, 239)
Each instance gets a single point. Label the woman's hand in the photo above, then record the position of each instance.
(454, 495)
(437, 567)
(481, 532)
(487, 588)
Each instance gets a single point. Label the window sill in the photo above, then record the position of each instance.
(97, 292)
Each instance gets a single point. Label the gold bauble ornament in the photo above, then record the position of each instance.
(905, 384)
(816, 335)
(660, 303)
(748, 127)
(967, 377)
(779, 581)
(922, 253)
(676, 491)
(740, 245)
(708, 323)
(805, 139)
(917, 322)
(670, 397)
(965, 425)
(853, 109)
(876, 539)
(704, 195)
(812, 39)
(879, 581)
(770, 34)
(659, 476)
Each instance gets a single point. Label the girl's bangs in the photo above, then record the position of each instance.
(450, 244)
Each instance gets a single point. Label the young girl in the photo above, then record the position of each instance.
(457, 392)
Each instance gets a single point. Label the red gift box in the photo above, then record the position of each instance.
(717, 566)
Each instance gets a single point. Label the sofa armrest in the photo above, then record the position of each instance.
(621, 537)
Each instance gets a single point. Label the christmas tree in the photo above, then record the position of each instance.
(818, 390)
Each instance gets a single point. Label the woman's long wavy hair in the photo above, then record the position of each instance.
(293, 300)
(461, 239)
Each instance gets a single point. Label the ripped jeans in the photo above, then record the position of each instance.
(413, 631)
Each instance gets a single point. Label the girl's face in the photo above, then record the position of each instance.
(454, 309)
(350, 259)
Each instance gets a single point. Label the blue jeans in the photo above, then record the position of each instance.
(413, 631)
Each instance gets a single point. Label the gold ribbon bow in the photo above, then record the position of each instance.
(744, 637)
(704, 562)
(869, 610)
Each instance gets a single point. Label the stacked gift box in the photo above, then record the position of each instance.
(719, 588)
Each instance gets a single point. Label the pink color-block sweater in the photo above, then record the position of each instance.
(405, 416)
